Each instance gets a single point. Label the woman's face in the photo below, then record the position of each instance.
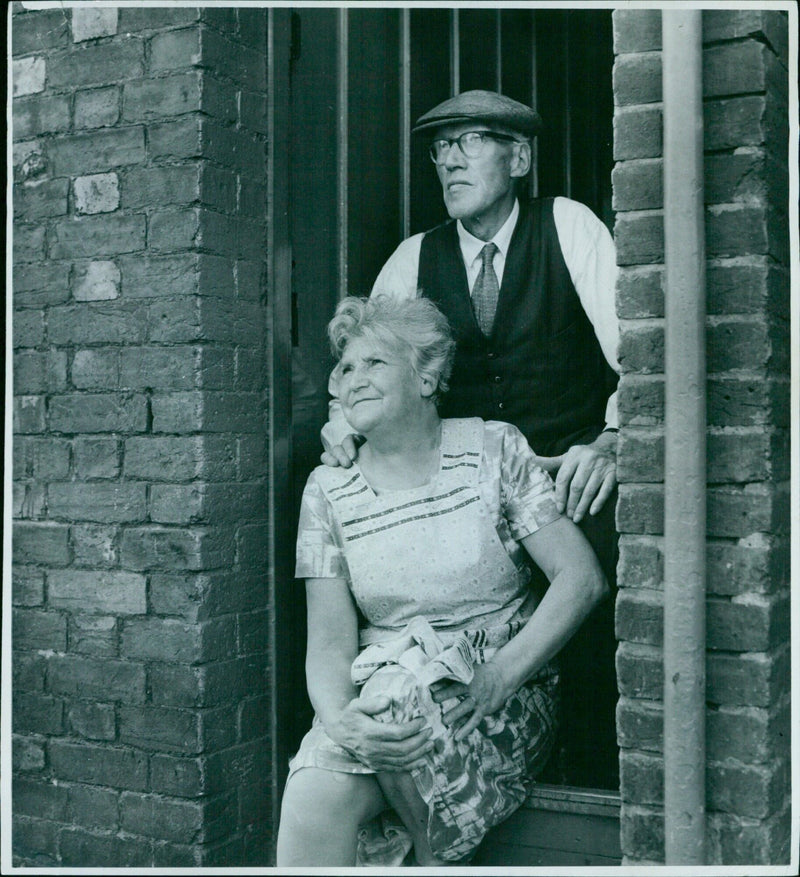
(377, 386)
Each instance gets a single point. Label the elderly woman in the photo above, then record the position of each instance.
(429, 661)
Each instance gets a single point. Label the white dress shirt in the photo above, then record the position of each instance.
(590, 257)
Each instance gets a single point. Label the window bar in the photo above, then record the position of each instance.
(455, 54)
(405, 123)
(567, 112)
(341, 152)
(498, 51)
(534, 173)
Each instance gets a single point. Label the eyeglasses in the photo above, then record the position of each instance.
(470, 143)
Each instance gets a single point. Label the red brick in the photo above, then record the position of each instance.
(155, 816)
(174, 641)
(636, 30)
(97, 107)
(27, 754)
(180, 458)
(95, 635)
(641, 346)
(99, 412)
(162, 730)
(752, 623)
(97, 64)
(640, 292)
(36, 841)
(136, 19)
(731, 24)
(107, 503)
(94, 721)
(146, 99)
(107, 592)
(640, 724)
(92, 236)
(737, 840)
(40, 114)
(640, 456)
(640, 509)
(637, 78)
(748, 120)
(27, 588)
(175, 49)
(39, 285)
(759, 563)
(101, 150)
(93, 807)
(39, 713)
(44, 800)
(145, 186)
(99, 764)
(748, 790)
(40, 372)
(639, 238)
(39, 30)
(639, 616)
(84, 849)
(641, 778)
(147, 276)
(41, 543)
(161, 548)
(638, 185)
(181, 777)
(29, 414)
(29, 246)
(742, 67)
(96, 677)
(641, 561)
(748, 679)
(741, 511)
(642, 833)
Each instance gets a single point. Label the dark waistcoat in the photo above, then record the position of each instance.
(541, 368)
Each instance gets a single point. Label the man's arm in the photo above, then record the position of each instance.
(586, 474)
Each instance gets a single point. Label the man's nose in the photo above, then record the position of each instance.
(454, 157)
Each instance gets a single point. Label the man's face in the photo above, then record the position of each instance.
(480, 191)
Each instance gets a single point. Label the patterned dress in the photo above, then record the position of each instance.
(441, 581)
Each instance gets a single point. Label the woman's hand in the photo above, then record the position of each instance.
(382, 746)
(485, 694)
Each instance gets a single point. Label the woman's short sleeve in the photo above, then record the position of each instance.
(319, 550)
(527, 492)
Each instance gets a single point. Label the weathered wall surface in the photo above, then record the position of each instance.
(745, 85)
(140, 587)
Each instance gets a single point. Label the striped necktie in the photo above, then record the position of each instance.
(486, 290)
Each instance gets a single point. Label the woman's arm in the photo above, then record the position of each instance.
(347, 719)
(577, 585)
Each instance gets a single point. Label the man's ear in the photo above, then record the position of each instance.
(521, 160)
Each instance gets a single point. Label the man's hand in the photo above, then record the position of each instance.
(343, 454)
(586, 475)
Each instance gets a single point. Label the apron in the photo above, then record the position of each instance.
(432, 551)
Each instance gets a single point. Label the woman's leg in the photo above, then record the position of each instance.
(321, 814)
(401, 794)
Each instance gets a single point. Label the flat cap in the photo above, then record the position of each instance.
(481, 106)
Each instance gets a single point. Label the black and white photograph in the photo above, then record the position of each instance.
(401, 438)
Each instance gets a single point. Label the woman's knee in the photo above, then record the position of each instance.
(314, 796)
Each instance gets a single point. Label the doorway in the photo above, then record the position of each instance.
(357, 184)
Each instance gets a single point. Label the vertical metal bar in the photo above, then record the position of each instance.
(341, 151)
(685, 435)
(534, 174)
(498, 52)
(405, 123)
(279, 289)
(455, 54)
(567, 110)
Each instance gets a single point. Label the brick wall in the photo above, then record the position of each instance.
(139, 580)
(746, 183)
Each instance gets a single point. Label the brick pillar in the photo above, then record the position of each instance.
(746, 185)
(140, 717)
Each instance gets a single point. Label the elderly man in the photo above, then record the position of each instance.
(528, 287)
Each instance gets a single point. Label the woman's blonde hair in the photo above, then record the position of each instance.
(415, 327)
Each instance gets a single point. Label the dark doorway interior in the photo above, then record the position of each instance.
(358, 184)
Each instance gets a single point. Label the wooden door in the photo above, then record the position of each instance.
(356, 184)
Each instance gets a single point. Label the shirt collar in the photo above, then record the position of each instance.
(471, 246)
